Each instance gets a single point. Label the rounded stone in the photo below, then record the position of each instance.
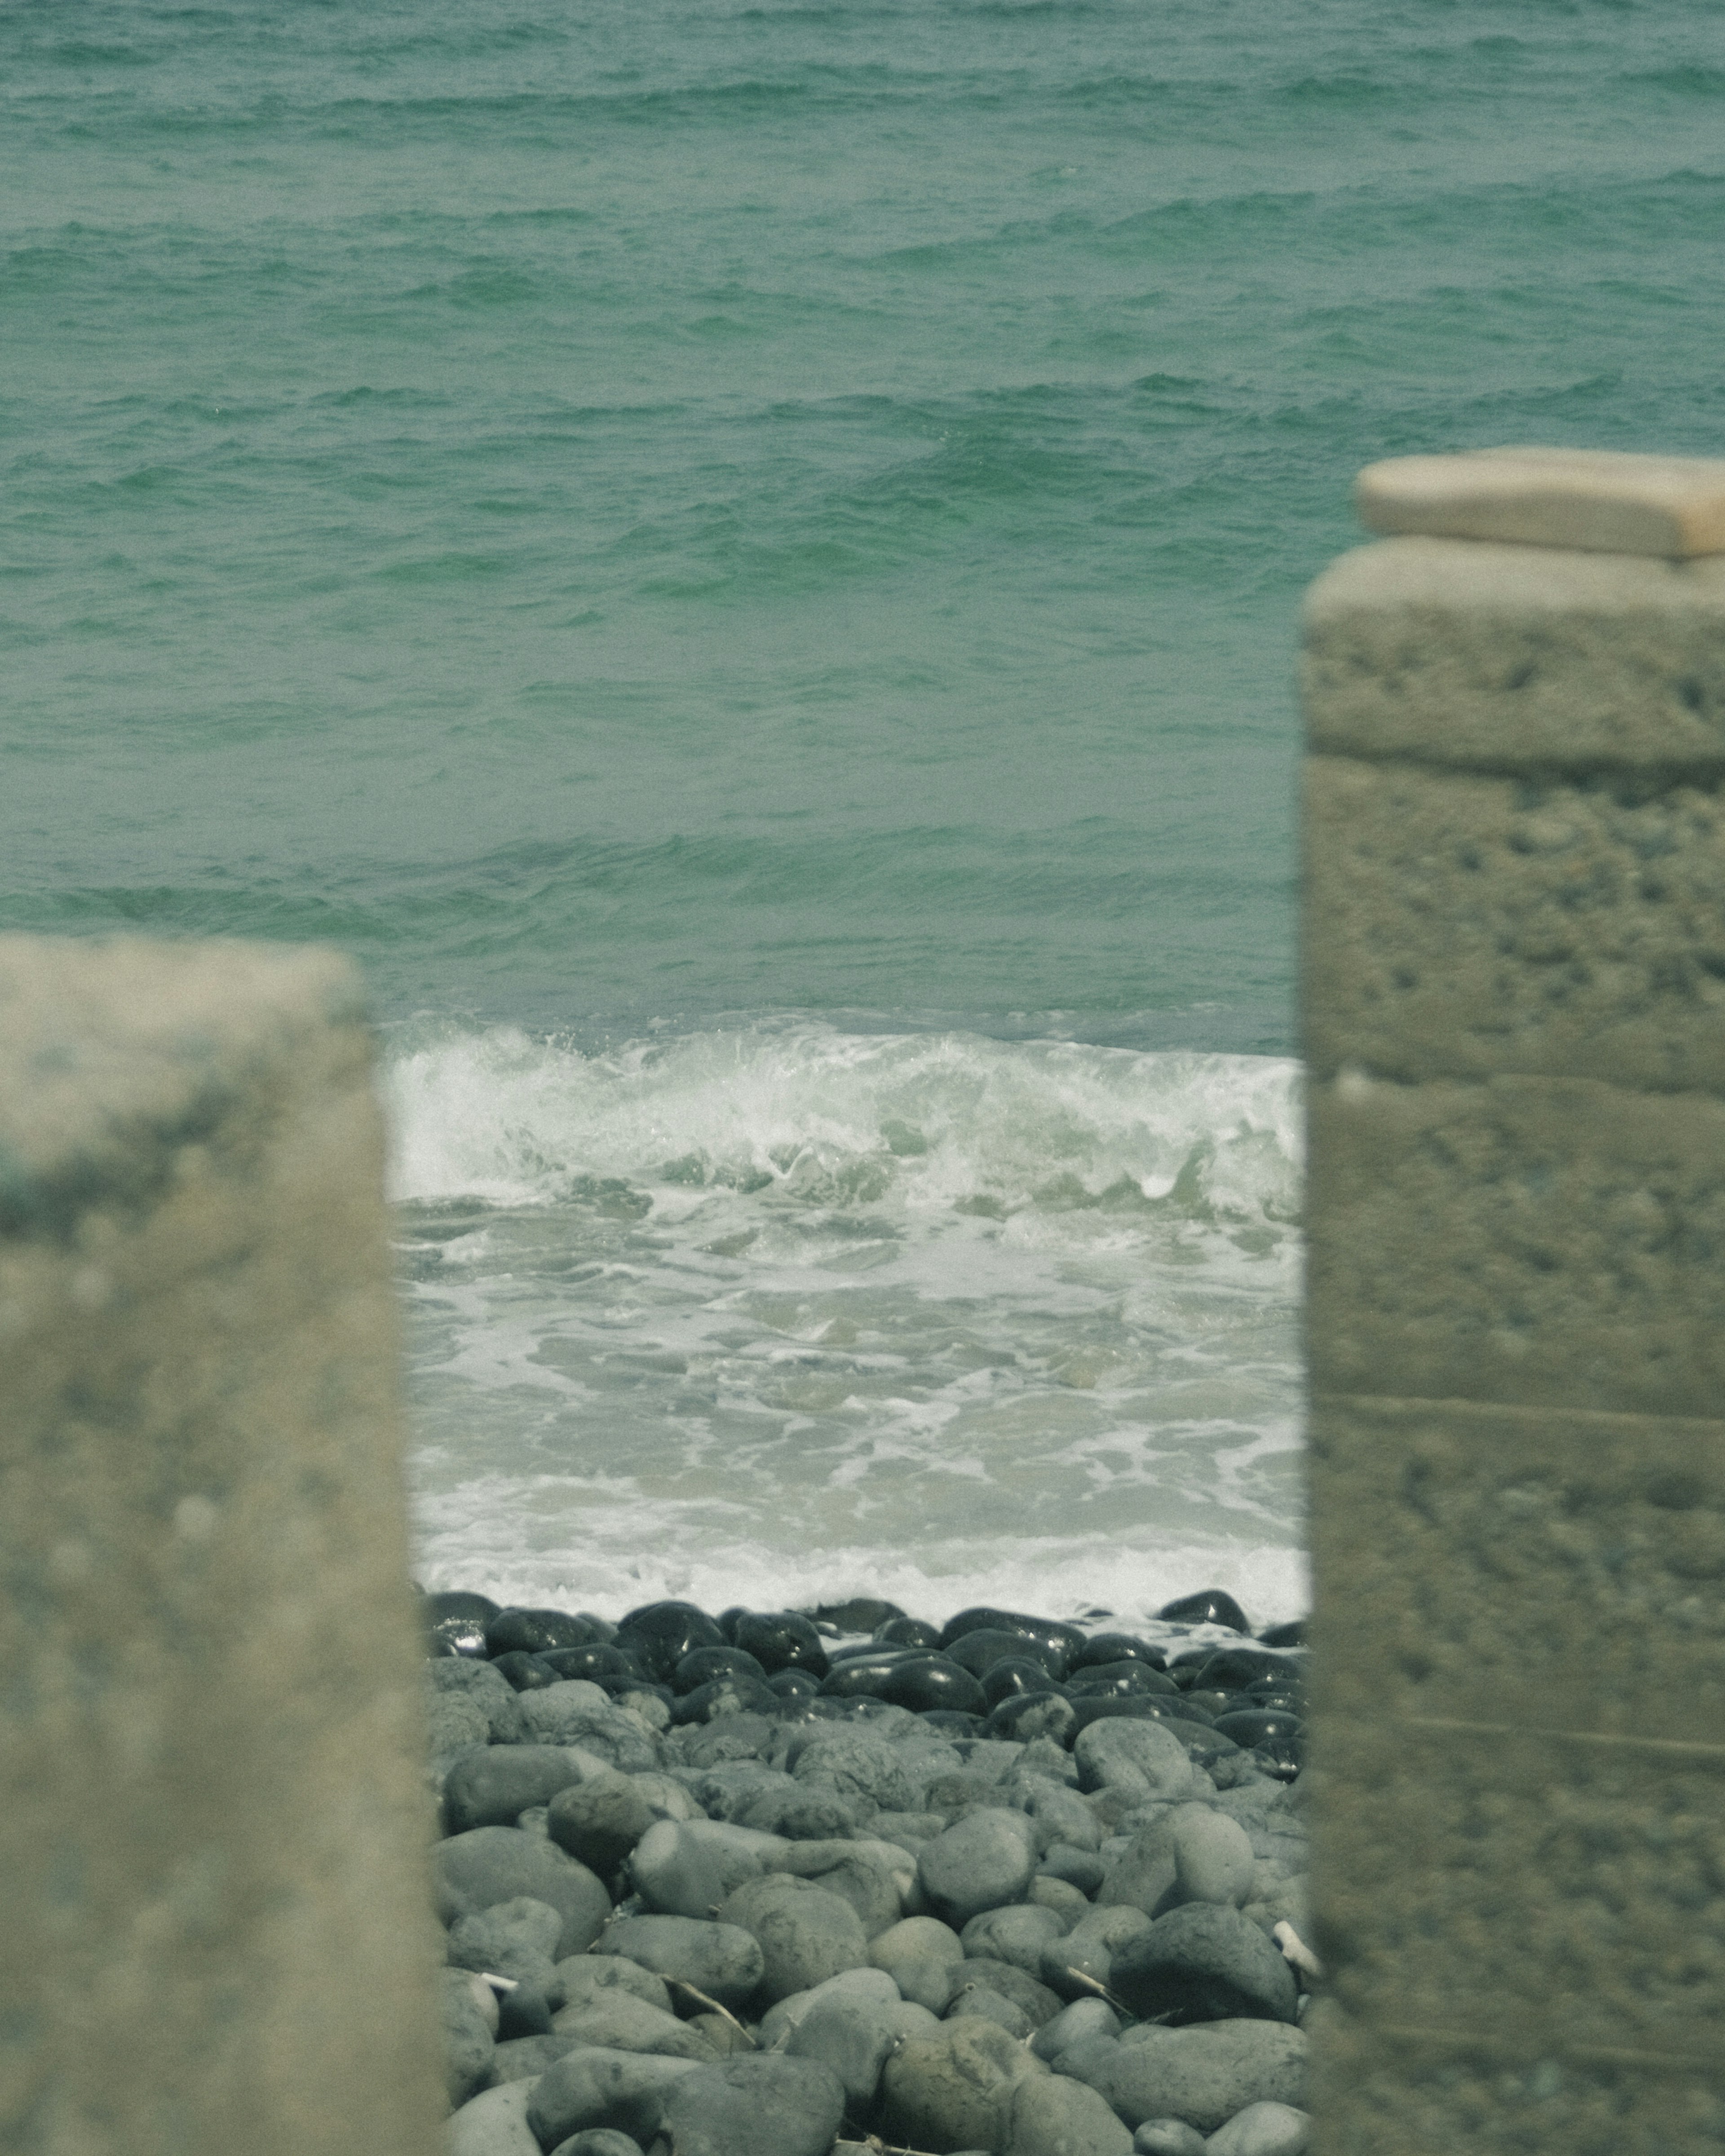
(786, 1641)
(980, 1650)
(721, 1958)
(1022, 1720)
(618, 2021)
(468, 2044)
(1103, 1647)
(599, 1821)
(701, 1665)
(1203, 2075)
(1204, 1963)
(1168, 2137)
(950, 2091)
(1263, 2129)
(598, 2141)
(661, 1633)
(1212, 1606)
(1065, 1640)
(455, 1622)
(1052, 2115)
(804, 1933)
(756, 2104)
(1089, 1949)
(493, 2123)
(531, 1631)
(492, 1864)
(585, 2089)
(986, 1859)
(492, 1694)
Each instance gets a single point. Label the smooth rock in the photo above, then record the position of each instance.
(866, 1772)
(494, 1787)
(805, 1934)
(1089, 1949)
(1081, 2023)
(1031, 1716)
(599, 1821)
(918, 1954)
(619, 2021)
(532, 1632)
(1168, 2137)
(871, 1986)
(1204, 1963)
(598, 2141)
(1080, 1869)
(854, 2036)
(589, 1976)
(950, 2091)
(988, 1859)
(623, 2090)
(786, 1641)
(518, 1938)
(1263, 2129)
(468, 2043)
(455, 1622)
(526, 2011)
(1069, 1903)
(1141, 1756)
(1212, 1606)
(493, 2123)
(980, 2001)
(571, 1711)
(1203, 2075)
(454, 1724)
(1057, 2116)
(755, 2105)
(721, 1960)
(1062, 1816)
(525, 2058)
(660, 1634)
(492, 1864)
(864, 1874)
(798, 1813)
(1066, 1639)
(688, 1871)
(1017, 1934)
(1035, 2000)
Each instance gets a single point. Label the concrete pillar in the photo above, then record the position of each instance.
(212, 1843)
(1514, 999)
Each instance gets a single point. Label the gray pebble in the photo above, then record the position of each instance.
(493, 2123)
(805, 1934)
(721, 1960)
(755, 2105)
(468, 2044)
(492, 1864)
(1263, 2129)
(986, 1859)
(622, 2090)
(598, 2141)
(599, 1821)
(1205, 1964)
(1167, 2137)
(1055, 2116)
(1203, 2075)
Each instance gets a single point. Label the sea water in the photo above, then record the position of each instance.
(743, 556)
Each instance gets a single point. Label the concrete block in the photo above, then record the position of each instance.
(1563, 1894)
(1517, 658)
(1541, 1567)
(211, 1827)
(1600, 500)
(1458, 925)
(1552, 1242)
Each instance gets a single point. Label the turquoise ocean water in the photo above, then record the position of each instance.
(743, 558)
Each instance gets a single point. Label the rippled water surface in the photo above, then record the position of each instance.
(744, 558)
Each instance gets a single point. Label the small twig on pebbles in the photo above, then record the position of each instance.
(498, 1982)
(1101, 1991)
(890, 2149)
(712, 2005)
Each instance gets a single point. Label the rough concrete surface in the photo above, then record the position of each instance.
(1459, 925)
(1451, 651)
(210, 1824)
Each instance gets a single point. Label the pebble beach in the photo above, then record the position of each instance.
(789, 1883)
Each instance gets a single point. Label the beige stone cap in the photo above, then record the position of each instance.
(1600, 502)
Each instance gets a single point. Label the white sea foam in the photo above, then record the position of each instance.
(781, 1312)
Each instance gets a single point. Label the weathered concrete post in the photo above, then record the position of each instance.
(1515, 1027)
(211, 1843)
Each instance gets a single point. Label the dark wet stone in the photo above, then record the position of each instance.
(455, 1622)
(1283, 1756)
(793, 1684)
(1285, 1636)
(1204, 1963)
(908, 1632)
(852, 1676)
(784, 1641)
(1063, 1639)
(756, 2104)
(1131, 1706)
(590, 1662)
(1027, 1716)
(659, 1634)
(727, 1620)
(1211, 1607)
(1250, 1727)
(978, 1651)
(1014, 1674)
(1125, 1679)
(951, 1723)
(861, 1614)
(1207, 1701)
(1232, 1669)
(493, 1787)
(924, 1681)
(733, 1694)
(525, 1672)
(1118, 1647)
(532, 1632)
(701, 1665)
